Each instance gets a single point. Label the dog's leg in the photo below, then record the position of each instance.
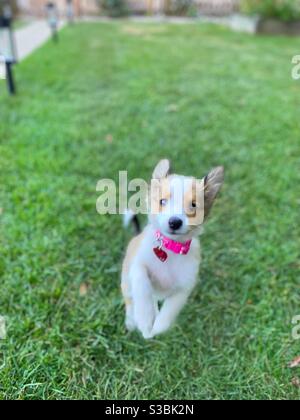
(129, 322)
(169, 311)
(143, 302)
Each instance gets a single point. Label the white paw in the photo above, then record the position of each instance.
(130, 324)
(160, 327)
(147, 335)
(146, 328)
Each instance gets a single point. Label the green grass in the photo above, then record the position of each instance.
(202, 96)
(20, 23)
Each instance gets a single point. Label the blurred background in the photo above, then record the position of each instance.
(262, 16)
(286, 10)
(118, 7)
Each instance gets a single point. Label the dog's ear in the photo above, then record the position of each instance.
(162, 169)
(212, 185)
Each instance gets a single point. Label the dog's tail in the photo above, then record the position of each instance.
(131, 218)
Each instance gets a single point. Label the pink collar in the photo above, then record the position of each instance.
(176, 247)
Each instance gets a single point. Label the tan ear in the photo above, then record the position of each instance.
(162, 169)
(212, 185)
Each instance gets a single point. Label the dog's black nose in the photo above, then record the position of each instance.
(175, 223)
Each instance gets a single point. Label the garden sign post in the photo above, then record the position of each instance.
(70, 11)
(52, 16)
(7, 48)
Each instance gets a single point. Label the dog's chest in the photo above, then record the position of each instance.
(178, 271)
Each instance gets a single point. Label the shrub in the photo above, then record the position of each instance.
(181, 7)
(285, 10)
(114, 8)
(13, 5)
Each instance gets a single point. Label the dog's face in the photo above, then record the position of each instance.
(178, 204)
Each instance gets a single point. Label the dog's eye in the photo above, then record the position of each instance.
(163, 202)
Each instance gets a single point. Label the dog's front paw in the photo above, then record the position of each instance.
(147, 335)
(130, 324)
(159, 327)
(146, 329)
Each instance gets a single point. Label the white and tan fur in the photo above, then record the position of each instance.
(146, 280)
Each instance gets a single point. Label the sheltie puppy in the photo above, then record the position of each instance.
(162, 263)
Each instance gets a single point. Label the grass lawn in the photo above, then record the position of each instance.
(20, 23)
(120, 96)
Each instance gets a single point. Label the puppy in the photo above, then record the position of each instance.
(162, 263)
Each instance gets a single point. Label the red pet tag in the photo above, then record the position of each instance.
(160, 253)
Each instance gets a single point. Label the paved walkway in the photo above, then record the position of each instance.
(31, 37)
